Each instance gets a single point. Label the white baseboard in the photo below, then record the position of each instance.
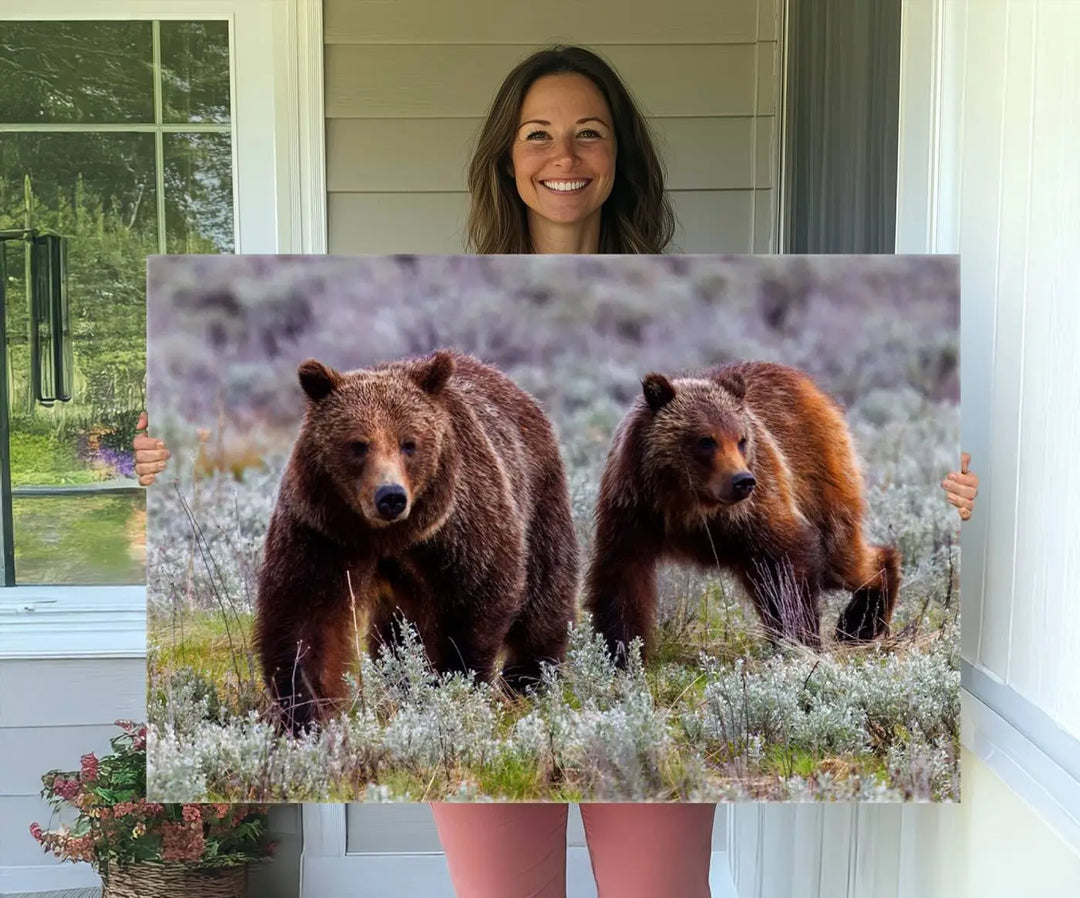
(390, 874)
(1025, 766)
(427, 875)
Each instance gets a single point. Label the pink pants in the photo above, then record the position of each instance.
(519, 850)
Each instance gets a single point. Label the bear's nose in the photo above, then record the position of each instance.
(742, 485)
(391, 501)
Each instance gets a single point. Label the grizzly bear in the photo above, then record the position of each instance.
(429, 490)
(749, 468)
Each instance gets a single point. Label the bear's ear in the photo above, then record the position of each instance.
(658, 391)
(317, 380)
(433, 374)
(734, 383)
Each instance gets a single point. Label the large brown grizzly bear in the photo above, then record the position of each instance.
(425, 488)
(749, 467)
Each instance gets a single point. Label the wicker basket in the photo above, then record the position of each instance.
(154, 880)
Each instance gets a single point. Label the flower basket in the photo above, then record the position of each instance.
(145, 849)
(158, 880)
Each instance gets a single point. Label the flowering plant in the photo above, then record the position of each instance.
(117, 826)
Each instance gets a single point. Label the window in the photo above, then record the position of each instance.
(278, 204)
(117, 135)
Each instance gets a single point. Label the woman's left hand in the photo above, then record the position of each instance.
(961, 487)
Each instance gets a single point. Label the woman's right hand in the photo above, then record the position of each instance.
(150, 454)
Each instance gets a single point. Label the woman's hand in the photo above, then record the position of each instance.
(962, 487)
(150, 454)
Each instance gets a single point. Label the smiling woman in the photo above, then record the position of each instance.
(522, 204)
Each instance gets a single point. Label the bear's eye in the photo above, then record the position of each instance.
(408, 447)
(358, 448)
(707, 444)
(742, 445)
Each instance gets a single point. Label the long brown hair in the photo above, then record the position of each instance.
(637, 216)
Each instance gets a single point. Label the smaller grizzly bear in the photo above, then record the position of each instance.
(750, 468)
(429, 490)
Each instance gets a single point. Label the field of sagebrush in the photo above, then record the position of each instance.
(717, 713)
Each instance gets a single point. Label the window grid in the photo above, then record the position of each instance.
(159, 128)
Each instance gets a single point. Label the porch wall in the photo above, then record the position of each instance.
(407, 85)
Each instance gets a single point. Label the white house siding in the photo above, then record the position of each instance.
(52, 711)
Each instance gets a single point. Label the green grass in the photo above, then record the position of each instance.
(41, 459)
(214, 646)
(80, 539)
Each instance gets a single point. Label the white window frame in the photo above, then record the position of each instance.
(279, 191)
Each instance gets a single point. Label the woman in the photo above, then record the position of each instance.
(565, 164)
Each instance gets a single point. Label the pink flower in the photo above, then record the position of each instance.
(35, 831)
(181, 842)
(191, 813)
(80, 848)
(89, 768)
(65, 788)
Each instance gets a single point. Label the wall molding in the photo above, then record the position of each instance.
(73, 622)
(1041, 772)
(301, 129)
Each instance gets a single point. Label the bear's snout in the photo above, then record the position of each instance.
(391, 501)
(742, 484)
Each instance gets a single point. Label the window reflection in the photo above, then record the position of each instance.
(86, 152)
(56, 72)
(195, 71)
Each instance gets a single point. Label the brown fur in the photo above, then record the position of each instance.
(482, 558)
(668, 492)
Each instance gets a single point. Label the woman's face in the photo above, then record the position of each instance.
(563, 154)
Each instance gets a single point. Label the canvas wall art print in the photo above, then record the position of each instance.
(527, 528)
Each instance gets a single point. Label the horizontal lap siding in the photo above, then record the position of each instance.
(502, 22)
(425, 155)
(51, 713)
(371, 81)
(407, 85)
(375, 223)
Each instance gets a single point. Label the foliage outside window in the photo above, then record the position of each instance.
(117, 135)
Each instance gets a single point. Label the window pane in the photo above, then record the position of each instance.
(198, 193)
(76, 72)
(195, 71)
(99, 191)
(81, 539)
(82, 183)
